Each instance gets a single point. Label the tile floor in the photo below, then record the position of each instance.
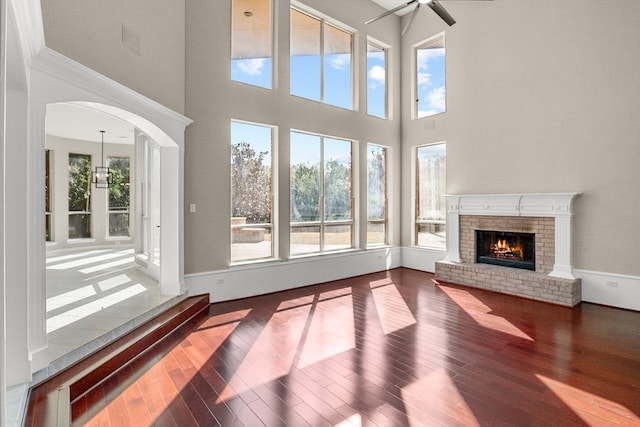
(95, 295)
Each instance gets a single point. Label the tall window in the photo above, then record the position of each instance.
(251, 42)
(321, 58)
(79, 196)
(430, 77)
(321, 194)
(47, 195)
(119, 196)
(376, 195)
(430, 220)
(251, 192)
(377, 92)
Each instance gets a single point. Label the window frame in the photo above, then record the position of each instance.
(424, 44)
(417, 221)
(327, 20)
(272, 46)
(322, 223)
(89, 212)
(109, 208)
(385, 219)
(272, 225)
(387, 90)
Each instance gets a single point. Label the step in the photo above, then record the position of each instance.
(50, 400)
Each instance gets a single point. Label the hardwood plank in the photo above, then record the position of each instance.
(386, 349)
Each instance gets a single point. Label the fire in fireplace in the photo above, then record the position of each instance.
(508, 249)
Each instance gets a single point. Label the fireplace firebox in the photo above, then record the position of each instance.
(508, 249)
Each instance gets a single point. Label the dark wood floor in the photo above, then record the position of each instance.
(388, 349)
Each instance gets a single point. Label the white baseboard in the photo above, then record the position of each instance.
(616, 290)
(422, 259)
(263, 278)
(610, 289)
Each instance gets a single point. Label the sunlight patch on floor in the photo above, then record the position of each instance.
(331, 331)
(70, 297)
(272, 355)
(592, 409)
(392, 309)
(354, 420)
(482, 313)
(89, 260)
(93, 307)
(436, 390)
(106, 266)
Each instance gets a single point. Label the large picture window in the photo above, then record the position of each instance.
(251, 42)
(321, 60)
(376, 195)
(119, 196)
(79, 196)
(377, 91)
(321, 194)
(251, 191)
(430, 84)
(430, 218)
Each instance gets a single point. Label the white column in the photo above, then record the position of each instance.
(36, 246)
(562, 267)
(453, 229)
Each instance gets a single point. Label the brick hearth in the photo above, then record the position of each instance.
(544, 284)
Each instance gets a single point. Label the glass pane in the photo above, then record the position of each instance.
(337, 179)
(251, 46)
(430, 73)
(376, 193)
(79, 182)
(376, 233)
(376, 81)
(337, 67)
(79, 226)
(305, 55)
(119, 224)
(431, 186)
(250, 242)
(305, 177)
(119, 196)
(337, 237)
(432, 235)
(251, 191)
(305, 239)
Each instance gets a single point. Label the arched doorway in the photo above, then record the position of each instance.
(56, 79)
(103, 241)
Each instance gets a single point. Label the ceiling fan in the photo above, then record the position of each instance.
(433, 4)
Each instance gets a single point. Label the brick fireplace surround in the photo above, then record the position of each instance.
(547, 215)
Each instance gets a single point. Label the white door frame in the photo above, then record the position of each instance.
(56, 78)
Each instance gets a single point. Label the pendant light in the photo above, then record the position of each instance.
(101, 176)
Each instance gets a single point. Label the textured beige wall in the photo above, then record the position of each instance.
(213, 100)
(542, 96)
(150, 61)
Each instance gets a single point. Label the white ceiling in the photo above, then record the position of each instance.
(84, 123)
(390, 4)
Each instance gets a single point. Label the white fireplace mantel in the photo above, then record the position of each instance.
(555, 205)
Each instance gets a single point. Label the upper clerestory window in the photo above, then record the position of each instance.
(430, 83)
(321, 60)
(252, 42)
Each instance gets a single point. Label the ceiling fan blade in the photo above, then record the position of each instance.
(441, 12)
(413, 15)
(389, 12)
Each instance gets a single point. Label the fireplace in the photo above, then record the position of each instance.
(542, 218)
(508, 249)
